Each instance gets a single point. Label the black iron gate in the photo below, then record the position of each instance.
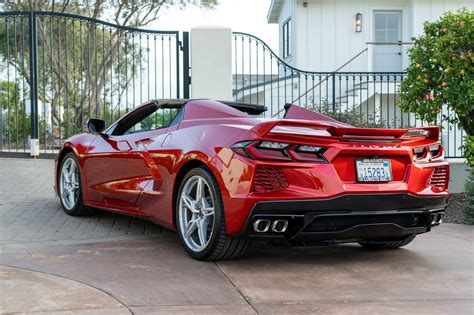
(58, 70)
(366, 99)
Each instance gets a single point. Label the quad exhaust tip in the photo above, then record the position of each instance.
(264, 225)
(261, 225)
(437, 218)
(279, 226)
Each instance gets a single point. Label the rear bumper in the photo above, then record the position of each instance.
(348, 217)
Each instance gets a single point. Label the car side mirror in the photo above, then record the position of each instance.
(95, 125)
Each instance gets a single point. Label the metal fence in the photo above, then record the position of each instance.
(358, 98)
(57, 70)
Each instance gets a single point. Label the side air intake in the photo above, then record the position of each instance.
(440, 177)
(269, 179)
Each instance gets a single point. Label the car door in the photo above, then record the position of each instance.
(117, 167)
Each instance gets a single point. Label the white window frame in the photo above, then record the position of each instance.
(287, 38)
(400, 22)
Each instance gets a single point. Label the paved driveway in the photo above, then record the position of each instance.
(111, 264)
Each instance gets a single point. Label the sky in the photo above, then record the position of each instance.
(249, 16)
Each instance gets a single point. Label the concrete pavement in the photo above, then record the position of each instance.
(112, 264)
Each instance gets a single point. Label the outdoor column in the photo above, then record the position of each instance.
(211, 62)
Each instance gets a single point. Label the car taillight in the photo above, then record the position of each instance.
(434, 151)
(272, 145)
(419, 152)
(310, 153)
(274, 150)
(269, 150)
(439, 179)
(239, 148)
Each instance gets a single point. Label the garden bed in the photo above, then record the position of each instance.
(454, 209)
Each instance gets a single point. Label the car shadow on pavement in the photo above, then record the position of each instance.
(328, 254)
(259, 251)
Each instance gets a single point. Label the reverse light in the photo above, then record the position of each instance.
(269, 150)
(309, 148)
(419, 152)
(416, 133)
(434, 149)
(273, 145)
(306, 131)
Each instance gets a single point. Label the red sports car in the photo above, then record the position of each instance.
(220, 176)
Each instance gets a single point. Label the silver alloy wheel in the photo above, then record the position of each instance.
(196, 213)
(69, 183)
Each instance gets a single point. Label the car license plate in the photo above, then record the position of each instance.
(373, 170)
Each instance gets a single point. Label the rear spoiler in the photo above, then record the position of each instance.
(264, 128)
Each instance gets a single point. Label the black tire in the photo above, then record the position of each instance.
(79, 208)
(387, 244)
(220, 246)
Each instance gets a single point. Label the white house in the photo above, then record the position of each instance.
(353, 35)
(328, 56)
(340, 36)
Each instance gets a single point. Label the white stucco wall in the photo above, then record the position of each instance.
(324, 36)
(211, 62)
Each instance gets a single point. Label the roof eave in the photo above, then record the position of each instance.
(274, 11)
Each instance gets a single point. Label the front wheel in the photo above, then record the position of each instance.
(387, 244)
(200, 219)
(70, 187)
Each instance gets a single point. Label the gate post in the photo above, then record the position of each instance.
(186, 77)
(34, 144)
(211, 62)
(333, 92)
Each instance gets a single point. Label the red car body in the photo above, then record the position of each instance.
(139, 173)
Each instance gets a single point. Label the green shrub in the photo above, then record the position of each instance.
(441, 74)
(468, 207)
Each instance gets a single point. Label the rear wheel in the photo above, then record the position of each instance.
(387, 244)
(200, 219)
(70, 187)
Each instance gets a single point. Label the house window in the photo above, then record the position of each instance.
(287, 38)
(387, 26)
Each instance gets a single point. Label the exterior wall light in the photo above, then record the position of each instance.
(358, 22)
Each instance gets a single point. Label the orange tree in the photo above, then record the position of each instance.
(441, 74)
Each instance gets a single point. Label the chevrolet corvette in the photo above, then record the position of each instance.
(221, 176)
